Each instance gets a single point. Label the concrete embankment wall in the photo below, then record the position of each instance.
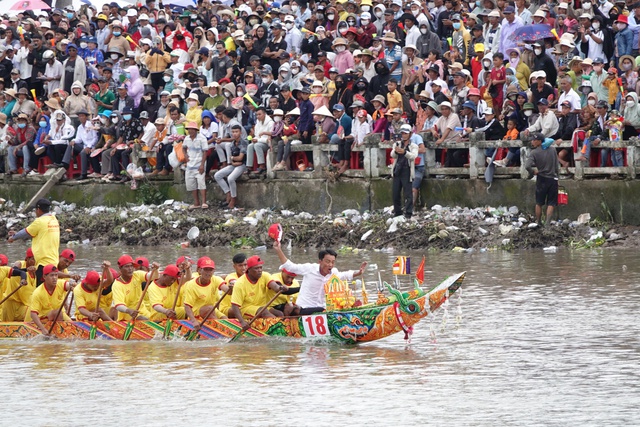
(597, 197)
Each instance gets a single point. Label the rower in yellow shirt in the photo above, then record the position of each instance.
(14, 309)
(66, 258)
(141, 263)
(164, 293)
(127, 289)
(47, 299)
(240, 267)
(45, 234)
(282, 303)
(201, 294)
(250, 292)
(86, 295)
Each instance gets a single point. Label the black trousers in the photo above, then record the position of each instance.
(310, 310)
(402, 186)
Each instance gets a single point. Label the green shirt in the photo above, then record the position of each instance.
(107, 98)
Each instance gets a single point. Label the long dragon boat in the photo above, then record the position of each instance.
(397, 313)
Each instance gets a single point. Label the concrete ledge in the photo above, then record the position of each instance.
(597, 197)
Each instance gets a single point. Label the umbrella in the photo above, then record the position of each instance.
(182, 3)
(532, 33)
(22, 5)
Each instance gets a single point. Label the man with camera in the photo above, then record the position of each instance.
(403, 154)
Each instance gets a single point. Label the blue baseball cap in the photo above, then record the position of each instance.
(470, 105)
(72, 46)
(338, 107)
(106, 113)
(543, 101)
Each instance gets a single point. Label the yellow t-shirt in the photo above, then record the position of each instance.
(45, 232)
(282, 299)
(85, 298)
(248, 296)
(394, 100)
(42, 302)
(23, 296)
(197, 296)
(128, 294)
(106, 301)
(225, 305)
(164, 296)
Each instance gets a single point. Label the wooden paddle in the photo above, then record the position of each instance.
(194, 333)
(243, 330)
(13, 292)
(127, 332)
(167, 326)
(60, 309)
(94, 328)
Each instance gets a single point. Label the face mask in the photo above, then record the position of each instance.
(22, 125)
(116, 34)
(294, 7)
(378, 14)
(83, 45)
(198, 36)
(528, 113)
(226, 93)
(415, 12)
(537, 51)
(114, 120)
(127, 116)
(596, 26)
(364, 22)
(630, 104)
(365, 8)
(343, 31)
(330, 17)
(253, 22)
(277, 119)
(361, 86)
(456, 25)
(295, 71)
(591, 102)
(266, 80)
(114, 56)
(192, 104)
(626, 67)
(167, 79)
(597, 68)
(340, 49)
(283, 75)
(339, 85)
(44, 124)
(317, 90)
(103, 120)
(152, 20)
(240, 93)
(586, 5)
(288, 25)
(423, 30)
(69, 15)
(486, 64)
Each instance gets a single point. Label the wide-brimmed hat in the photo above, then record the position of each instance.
(380, 99)
(444, 104)
(389, 37)
(434, 105)
(323, 111)
(192, 125)
(194, 97)
(11, 92)
(629, 57)
(339, 41)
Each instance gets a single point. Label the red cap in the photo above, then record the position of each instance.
(288, 273)
(3, 259)
(171, 270)
(142, 261)
(124, 260)
(275, 231)
(206, 262)
(254, 261)
(68, 254)
(115, 274)
(180, 260)
(92, 278)
(29, 253)
(48, 269)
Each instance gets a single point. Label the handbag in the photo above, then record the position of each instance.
(144, 72)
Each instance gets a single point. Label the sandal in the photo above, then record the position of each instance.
(204, 206)
(192, 207)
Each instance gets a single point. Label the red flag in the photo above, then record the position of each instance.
(420, 271)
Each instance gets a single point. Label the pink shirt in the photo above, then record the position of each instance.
(343, 61)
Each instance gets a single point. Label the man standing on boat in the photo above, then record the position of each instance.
(45, 232)
(312, 297)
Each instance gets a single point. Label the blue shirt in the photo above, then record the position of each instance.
(306, 118)
(391, 56)
(417, 139)
(345, 122)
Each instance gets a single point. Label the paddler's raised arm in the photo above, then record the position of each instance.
(153, 274)
(278, 248)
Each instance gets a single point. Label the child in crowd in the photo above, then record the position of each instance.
(514, 152)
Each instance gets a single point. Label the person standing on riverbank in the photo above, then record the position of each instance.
(403, 154)
(545, 160)
(312, 296)
(45, 235)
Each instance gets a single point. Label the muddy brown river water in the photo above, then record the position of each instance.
(535, 339)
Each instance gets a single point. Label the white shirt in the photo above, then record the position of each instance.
(54, 71)
(208, 133)
(412, 36)
(312, 285)
(265, 126)
(148, 134)
(360, 130)
(572, 97)
(196, 148)
(596, 50)
(25, 68)
(88, 137)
